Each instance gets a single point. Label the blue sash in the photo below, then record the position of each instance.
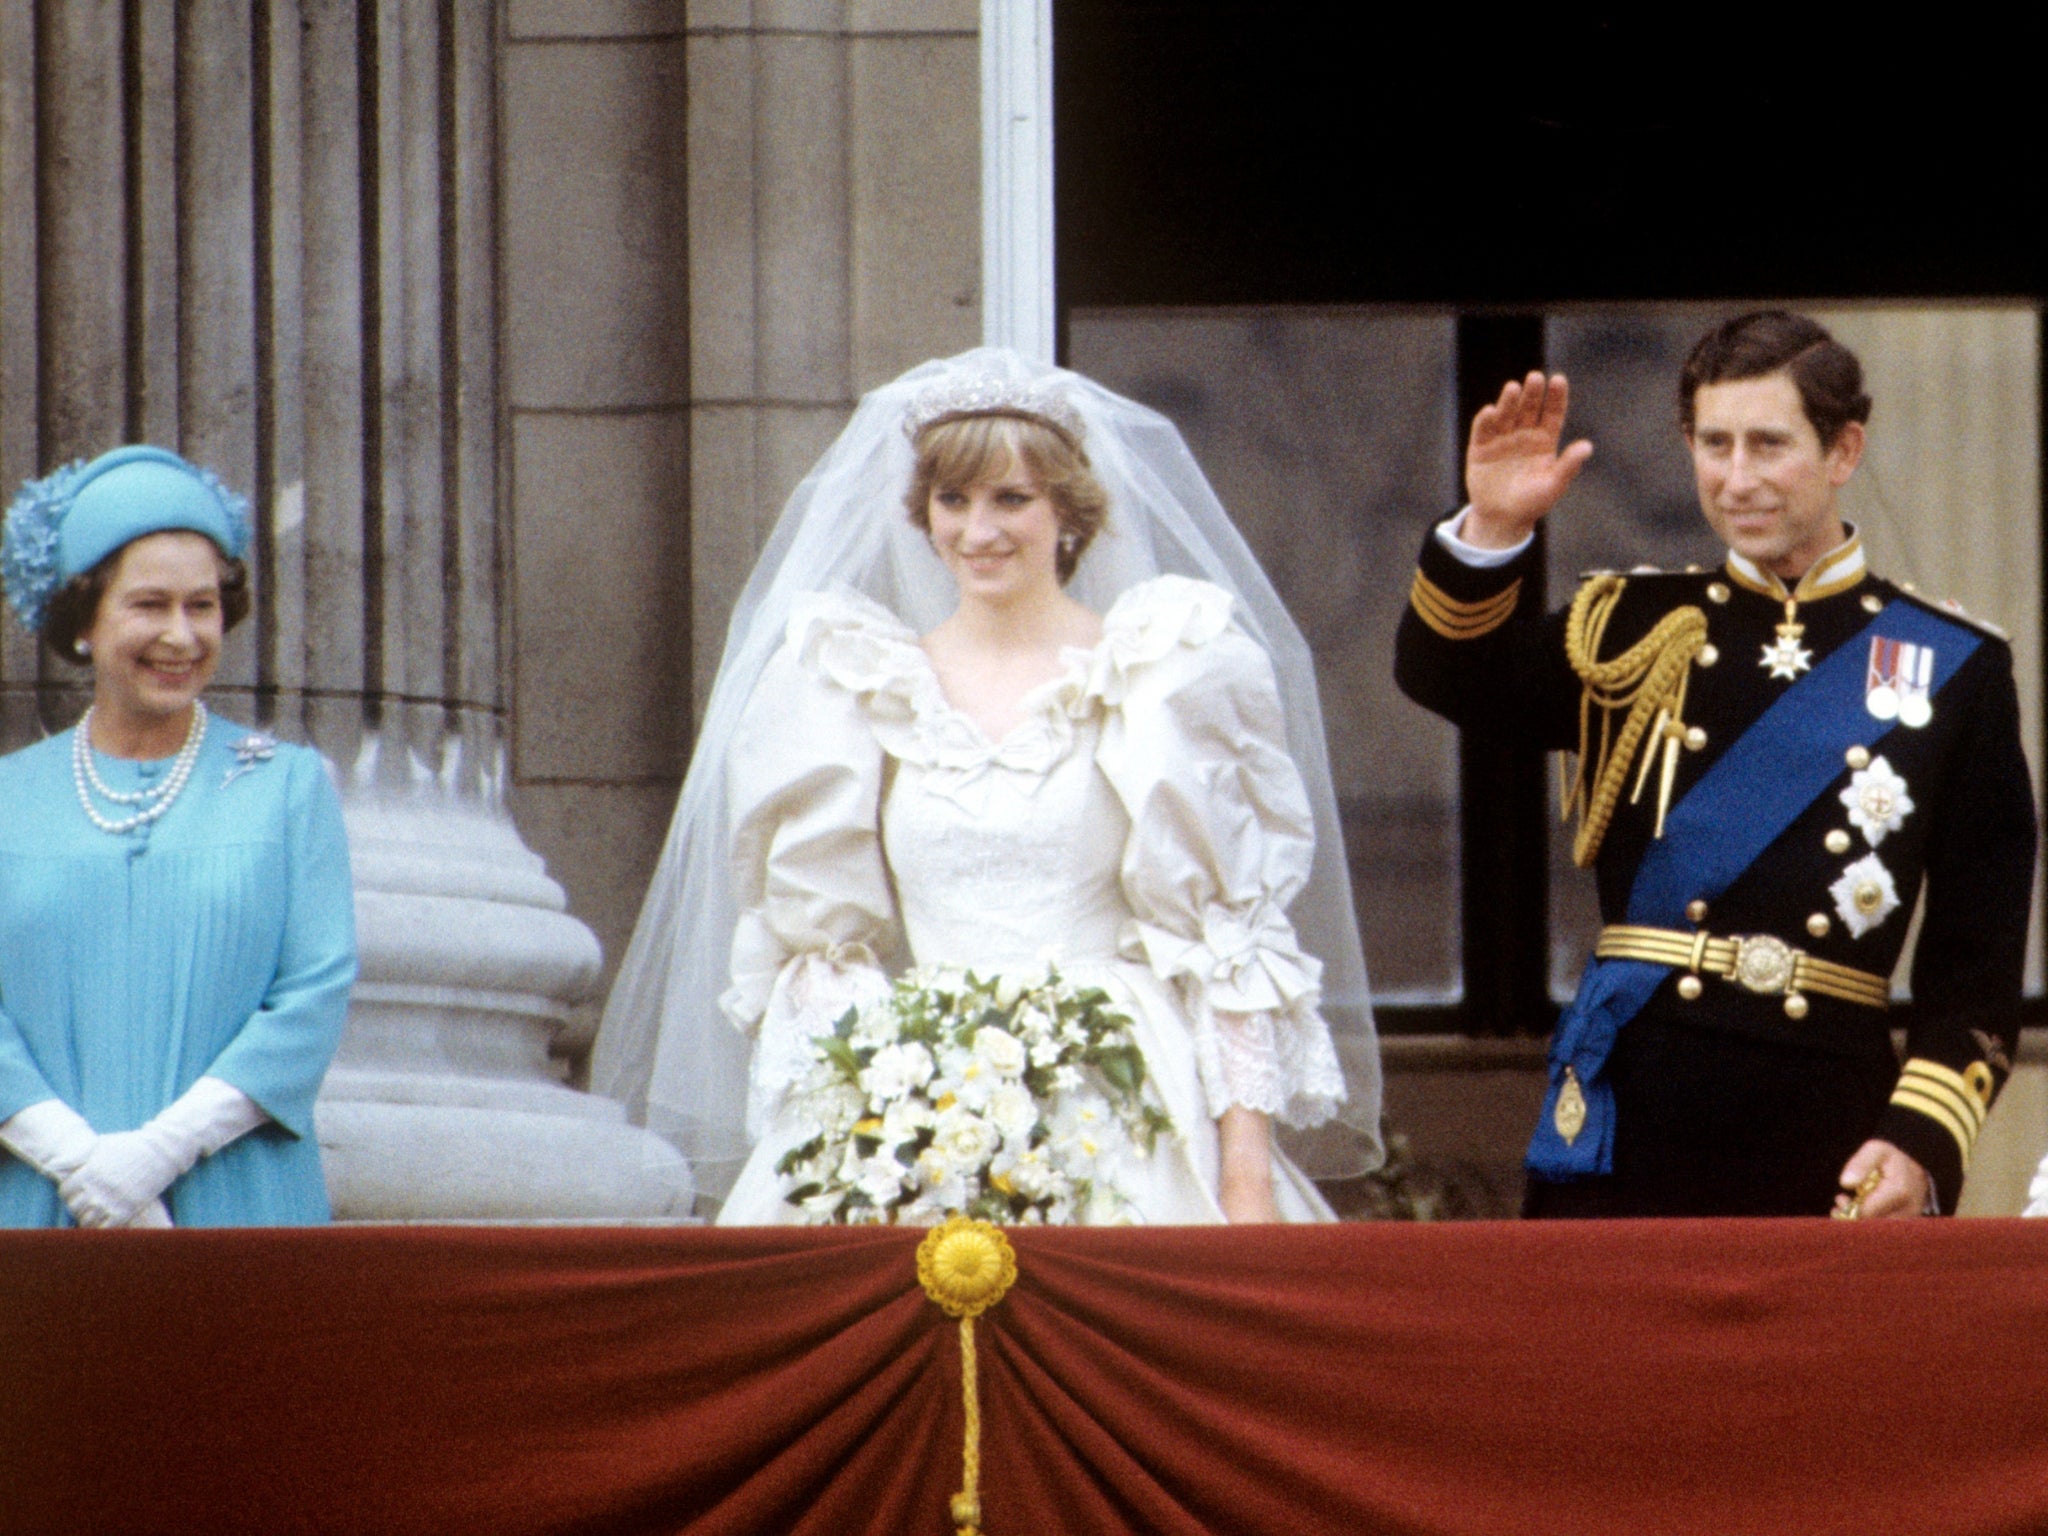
(1739, 807)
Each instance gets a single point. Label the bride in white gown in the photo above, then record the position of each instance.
(1127, 790)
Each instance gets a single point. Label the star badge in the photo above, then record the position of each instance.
(1787, 657)
(1865, 895)
(1877, 801)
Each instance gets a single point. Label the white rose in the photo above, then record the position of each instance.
(1083, 1132)
(1032, 1175)
(881, 1179)
(1000, 1050)
(1033, 1022)
(902, 1121)
(837, 1107)
(896, 1070)
(969, 1079)
(875, 1028)
(945, 1182)
(1008, 990)
(1014, 1112)
(967, 1140)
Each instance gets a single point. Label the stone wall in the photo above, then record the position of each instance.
(721, 222)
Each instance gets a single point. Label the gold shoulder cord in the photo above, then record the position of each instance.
(1649, 681)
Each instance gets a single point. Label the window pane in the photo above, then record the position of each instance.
(1329, 434)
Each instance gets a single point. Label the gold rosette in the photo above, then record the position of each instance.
(967, 1267)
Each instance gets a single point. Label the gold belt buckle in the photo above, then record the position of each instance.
(1763, 964)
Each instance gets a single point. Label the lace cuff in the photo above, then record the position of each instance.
(809, 995)
(1251, 995)
(1280, 1064)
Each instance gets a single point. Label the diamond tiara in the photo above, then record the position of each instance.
(989, 396)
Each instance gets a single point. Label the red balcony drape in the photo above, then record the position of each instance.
(1666, 1377)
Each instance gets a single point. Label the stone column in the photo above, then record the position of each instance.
(834, 209)
(263, 232)
(1017, 308)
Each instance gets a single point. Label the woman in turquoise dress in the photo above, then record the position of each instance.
(177, 935)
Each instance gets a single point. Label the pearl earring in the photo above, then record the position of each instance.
(83, 647)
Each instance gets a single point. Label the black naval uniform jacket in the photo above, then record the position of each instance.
(1724, 1105)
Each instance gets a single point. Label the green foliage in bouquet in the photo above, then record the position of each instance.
(993, 1097)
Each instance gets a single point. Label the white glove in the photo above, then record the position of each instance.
(123, 1173)
(55, 1139)
(209, 1115)
(127, 1170)
(51, 1137)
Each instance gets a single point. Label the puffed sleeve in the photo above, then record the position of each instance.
(1221, 841)
(280, 1056)
(817, 920)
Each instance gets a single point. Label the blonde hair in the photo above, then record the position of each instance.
(959, 451)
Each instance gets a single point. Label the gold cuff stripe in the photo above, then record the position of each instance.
(1933, 1080)
(1456, 620)
(1721, 957)
(1955, 1109)
(1941, 1115)
(1944, 1096)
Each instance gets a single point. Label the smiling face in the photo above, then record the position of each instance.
(961, 451)
(999, 535)
(1766, 484)
(156, 635)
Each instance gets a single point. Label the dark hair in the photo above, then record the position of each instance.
(1826, 373)
(75, 606)
(958, 451)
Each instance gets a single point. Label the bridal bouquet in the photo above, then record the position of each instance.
(997, 1098)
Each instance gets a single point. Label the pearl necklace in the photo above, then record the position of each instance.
(155, 800)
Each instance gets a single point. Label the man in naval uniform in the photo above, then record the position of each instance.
(1774, 759)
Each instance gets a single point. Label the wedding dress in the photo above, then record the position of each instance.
(1143, 828)
(857, 750)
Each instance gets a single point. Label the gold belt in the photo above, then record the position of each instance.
(1757, 963)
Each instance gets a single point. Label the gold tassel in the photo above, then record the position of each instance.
(1648, 680)
(967, 1267)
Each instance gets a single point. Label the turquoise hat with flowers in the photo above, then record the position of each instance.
(66, 523)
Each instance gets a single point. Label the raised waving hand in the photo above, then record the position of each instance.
(1514, 470)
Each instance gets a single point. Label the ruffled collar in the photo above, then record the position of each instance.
(854, 643)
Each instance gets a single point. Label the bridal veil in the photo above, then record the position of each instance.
(664, 1048)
